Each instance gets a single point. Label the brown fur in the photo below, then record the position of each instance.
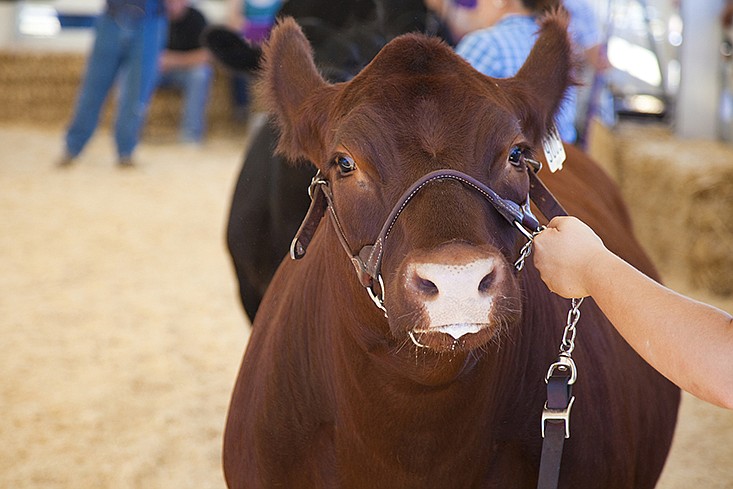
(331, 394)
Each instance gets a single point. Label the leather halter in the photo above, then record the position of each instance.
(367, 262)
(556, 414)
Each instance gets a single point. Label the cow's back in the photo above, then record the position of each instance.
(269, 201)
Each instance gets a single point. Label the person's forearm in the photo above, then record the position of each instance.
(184, 59)
(235, 14)
(688, 342)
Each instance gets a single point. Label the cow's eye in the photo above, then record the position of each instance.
(346, 164)
(516, 156)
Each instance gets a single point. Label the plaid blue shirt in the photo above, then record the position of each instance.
(584, 25)
(500, 50)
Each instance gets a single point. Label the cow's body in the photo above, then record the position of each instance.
(331, 394)
(268, 204)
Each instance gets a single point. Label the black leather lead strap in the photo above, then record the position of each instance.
(555, 426)
(551, 456)
(543, 198)
(556, 415)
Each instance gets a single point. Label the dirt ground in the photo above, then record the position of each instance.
(121, 331)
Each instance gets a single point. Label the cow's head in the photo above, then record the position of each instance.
(418, 107)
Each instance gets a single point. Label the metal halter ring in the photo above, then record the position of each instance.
(378, 301)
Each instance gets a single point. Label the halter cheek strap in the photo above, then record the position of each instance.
(322, 202)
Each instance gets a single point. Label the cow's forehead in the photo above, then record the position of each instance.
(419, 66)
(439, 116)
(429, 128)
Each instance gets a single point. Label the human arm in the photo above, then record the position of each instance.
(235, 15)
(171, 59)
(689, 342)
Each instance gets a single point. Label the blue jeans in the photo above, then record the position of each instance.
(195, 83)
(126, 51)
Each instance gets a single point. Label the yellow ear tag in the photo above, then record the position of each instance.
(553, 148)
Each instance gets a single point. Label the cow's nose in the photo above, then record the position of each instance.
(432, 281)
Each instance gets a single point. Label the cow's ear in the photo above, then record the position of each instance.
(292, 89)
(540, 85)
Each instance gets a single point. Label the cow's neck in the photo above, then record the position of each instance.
(457, 400)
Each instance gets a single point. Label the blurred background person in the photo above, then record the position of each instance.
(185, 65)
(253, 19)
(129, 37)
(594, 100)
(496, 36)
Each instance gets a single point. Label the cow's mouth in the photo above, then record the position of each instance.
(451, 336)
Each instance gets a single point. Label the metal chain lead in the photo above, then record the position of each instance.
(568, 336)
(527, 248)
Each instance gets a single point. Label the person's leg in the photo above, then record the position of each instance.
(102, 66)
(196, 86)
(139, 77)
(240, 96)
(166, 80)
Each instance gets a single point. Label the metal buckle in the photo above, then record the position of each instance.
(316, 181)
(534, 164)
(558, 415)
(563, 364)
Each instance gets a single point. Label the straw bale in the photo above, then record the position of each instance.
(680, 193)
(41, 89)
(602, 147)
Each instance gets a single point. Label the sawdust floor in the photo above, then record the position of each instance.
(121, 331)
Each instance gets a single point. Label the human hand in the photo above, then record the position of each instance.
(565, 253)
(164, 62)
(236, 23)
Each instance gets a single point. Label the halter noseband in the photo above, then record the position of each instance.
(368, 261)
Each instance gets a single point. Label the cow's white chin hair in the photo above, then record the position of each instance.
(456, 331)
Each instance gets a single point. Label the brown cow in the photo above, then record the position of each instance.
(447, 392)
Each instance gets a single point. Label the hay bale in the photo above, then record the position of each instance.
(41, 89)
(38, 88)
(602, 147)
(680, 193)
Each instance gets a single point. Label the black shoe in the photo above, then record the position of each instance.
(125, 162)
(65, 161)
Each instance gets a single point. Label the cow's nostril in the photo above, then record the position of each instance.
(486, 282)
(425, 286)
